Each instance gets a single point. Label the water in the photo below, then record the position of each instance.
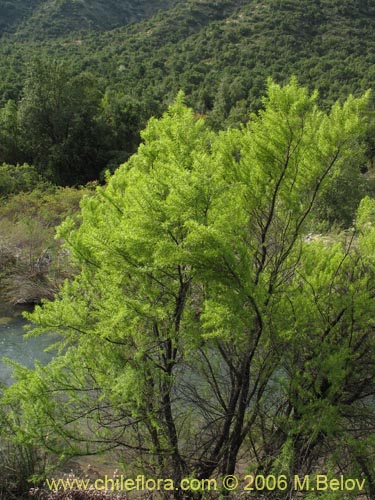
(14, 346)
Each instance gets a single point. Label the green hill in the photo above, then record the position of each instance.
(41, 19)
(219, 52)
(14, 12)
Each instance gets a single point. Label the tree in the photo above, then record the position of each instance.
(11, 147)
(122, 117)
(58, 114)
(193, 330)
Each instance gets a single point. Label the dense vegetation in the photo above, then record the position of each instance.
(32, 262)
(81, 112)
(219, 300)
(220, 53)
(40, 19)
(203, 323)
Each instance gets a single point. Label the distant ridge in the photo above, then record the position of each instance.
(220, 52)
(39, 19)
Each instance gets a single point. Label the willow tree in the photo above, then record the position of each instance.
(202, 321)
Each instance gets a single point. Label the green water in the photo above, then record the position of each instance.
(14, 346)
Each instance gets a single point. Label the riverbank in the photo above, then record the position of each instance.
(33, 263)
(14, 345)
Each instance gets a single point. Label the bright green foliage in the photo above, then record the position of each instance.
(204, 320)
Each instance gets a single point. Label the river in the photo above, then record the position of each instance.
(13, 344)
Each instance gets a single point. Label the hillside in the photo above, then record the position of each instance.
(219, 52)
(12, 13)
(41, 19)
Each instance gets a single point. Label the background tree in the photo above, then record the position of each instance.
(59, 118)
(178, 348)
(123, 118)
(11, 140)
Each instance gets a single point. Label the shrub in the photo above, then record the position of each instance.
(19, 461)
(18, 178)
